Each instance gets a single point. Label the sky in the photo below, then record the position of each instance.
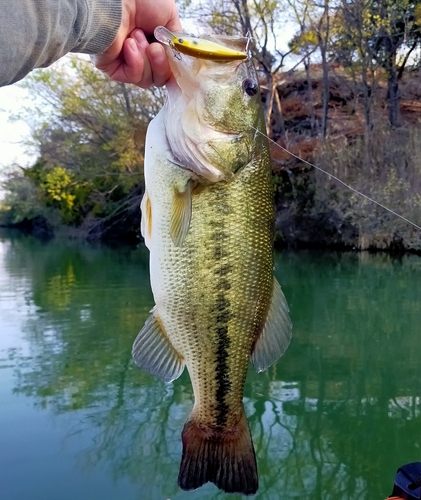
(12, 133)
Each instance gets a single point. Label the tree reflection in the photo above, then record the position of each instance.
(333, 419)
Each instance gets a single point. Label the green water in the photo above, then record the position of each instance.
(333, 419)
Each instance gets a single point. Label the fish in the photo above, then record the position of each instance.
(208, 222)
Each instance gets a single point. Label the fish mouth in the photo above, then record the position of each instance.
(202, 135)
(200, 146)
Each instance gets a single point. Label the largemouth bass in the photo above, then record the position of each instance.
(207, 219)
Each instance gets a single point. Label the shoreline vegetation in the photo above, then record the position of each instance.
(351, 104)
(314, 210)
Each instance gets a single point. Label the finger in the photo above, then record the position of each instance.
(143, 79)
(161, 70)
(119, 69)
(135, 64)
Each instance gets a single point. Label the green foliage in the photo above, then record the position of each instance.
(303, 40)
(389, 172)
(417, 15)
(277, 183)
(374, 28)
(23, 200)
(89, 132)
(62, 190)
(56, 185)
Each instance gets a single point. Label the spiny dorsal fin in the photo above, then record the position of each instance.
(153, 352)
(181, 214)
(276, 333)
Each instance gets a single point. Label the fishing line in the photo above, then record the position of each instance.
(338, 180)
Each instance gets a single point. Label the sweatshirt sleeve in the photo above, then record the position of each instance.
(35, 33)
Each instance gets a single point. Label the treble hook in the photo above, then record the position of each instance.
(175, 51)
(249, 39)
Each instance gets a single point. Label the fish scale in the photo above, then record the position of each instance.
(228, 316)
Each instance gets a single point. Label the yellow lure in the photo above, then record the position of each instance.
(197, 47)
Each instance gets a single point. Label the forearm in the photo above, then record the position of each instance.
(35, 33)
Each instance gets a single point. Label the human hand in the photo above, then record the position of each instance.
(130, 58)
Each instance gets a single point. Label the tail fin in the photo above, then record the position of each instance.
(225, 458)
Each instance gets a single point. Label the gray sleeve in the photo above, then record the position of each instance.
(35, 33)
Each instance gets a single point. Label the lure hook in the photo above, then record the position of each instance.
(249, 39)
(175, 51)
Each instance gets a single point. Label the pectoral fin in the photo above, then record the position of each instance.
(276, 333)
(153, 352)
(181, 214)
(146, 222)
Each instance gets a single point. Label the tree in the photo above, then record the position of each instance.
(313, 20)
(89, 133)
(352, 47)
(305, 44)
(322, 29)
(397, 25)
(372, 34)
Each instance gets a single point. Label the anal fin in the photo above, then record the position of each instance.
(153, 352)
(276, 334)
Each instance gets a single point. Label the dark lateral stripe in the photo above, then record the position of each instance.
(222, 313)
(224, 384)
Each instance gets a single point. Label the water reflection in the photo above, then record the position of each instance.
(333, 419)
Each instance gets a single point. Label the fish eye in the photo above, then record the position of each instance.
(250, 87)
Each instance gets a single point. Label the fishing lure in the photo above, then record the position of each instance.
(197, 47)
